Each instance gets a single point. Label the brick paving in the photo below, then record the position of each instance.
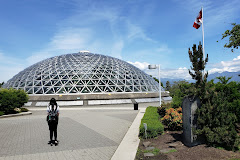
(83, 134)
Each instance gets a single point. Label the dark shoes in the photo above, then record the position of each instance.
(53, 142)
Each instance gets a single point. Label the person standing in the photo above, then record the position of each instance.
(52, 119)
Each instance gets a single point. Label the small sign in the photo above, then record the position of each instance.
(78, 97)
(145, 126)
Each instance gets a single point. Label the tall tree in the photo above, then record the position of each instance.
(234, 39)
(197, 68)
(168, 86)
(198, 64)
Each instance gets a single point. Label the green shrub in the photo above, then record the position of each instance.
(154, 126)
(162, 111)
(219, 116)
(24, 109)
(178, 91)
(235, 108)
(217, 121)
(12, 98)
(1, 113)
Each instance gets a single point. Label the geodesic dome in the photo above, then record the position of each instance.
(81, 73)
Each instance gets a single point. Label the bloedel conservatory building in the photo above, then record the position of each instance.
(85, 78)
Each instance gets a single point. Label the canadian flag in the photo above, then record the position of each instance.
(198, 20)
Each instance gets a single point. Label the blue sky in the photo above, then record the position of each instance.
(140, 32)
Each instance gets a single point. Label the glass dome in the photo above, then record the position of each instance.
(81, 73)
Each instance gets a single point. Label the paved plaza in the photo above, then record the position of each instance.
(84, 133)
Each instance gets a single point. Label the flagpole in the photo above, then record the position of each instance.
(203, 42)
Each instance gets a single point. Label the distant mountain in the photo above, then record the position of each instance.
(234, 76)
(164, 80)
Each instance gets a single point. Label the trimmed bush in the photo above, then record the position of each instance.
(12, 98)
(154, 126)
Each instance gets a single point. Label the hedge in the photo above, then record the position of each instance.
(154, 126)
(12, 98)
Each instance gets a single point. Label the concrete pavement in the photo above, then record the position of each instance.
(84, 133)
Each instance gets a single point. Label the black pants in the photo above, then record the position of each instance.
(53, 130)
(51, 134)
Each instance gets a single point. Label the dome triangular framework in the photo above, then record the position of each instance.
(81, 73)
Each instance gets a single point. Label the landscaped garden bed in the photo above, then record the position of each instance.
(168, 145)
(171, 144)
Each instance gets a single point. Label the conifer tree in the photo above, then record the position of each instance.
(216, 121)
(168, 87)
(197, 68)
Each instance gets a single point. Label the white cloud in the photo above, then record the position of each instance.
(80, 32)
(229, 66)
(140, 65)
(96, 28)
(238, 58)
(64, 41)
(181, 72)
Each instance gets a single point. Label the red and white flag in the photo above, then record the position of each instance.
(198, 20)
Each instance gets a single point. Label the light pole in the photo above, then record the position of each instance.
(154, 66)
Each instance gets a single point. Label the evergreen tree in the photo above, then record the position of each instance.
(216, 119)
(168, 86)
(198, 66)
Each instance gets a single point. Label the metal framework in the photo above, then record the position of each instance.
(81, 73)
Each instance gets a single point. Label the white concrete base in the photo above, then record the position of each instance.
(128, 147)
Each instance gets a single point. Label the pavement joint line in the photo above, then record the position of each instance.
(128, 147)
(15, 115)
(97, 108)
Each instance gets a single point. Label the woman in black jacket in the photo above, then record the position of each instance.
(52, 118)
